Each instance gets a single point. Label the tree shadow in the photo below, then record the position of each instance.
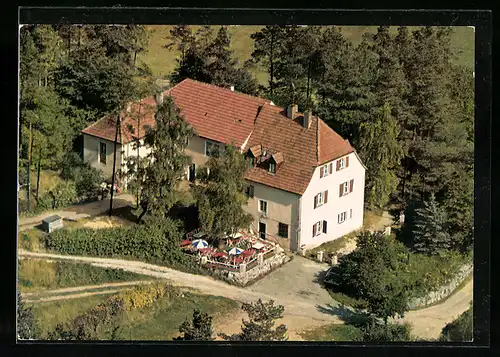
(188, 215)
(351, 316)
(126, 212)
(319, 277)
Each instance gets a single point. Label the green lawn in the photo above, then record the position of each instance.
(35, 275)
(162, 320)
(49, 314)
(333, 332)
(162, 61)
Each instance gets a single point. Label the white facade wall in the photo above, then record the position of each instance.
(91, 154)
(335, 204)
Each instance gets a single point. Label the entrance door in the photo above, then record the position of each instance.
(262, 230)
(192, 172)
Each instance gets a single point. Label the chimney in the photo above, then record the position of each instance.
(291, 111)
(232, 88)
(307, 119)
(159, 98)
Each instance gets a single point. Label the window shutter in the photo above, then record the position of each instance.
(351, 185)
(314, 230)
(340, 190)
(347, 161)
(321, 172)
(330, 167)
(350, 213)
(326, 196)
(250, 190)
(315, 201)
(324, 227)
(338, 165)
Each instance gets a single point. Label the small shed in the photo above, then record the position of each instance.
(52, 223)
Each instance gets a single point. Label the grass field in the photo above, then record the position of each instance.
(162, 61)
(333, 332)
(162, 320)
(36, 275)
(49, 314)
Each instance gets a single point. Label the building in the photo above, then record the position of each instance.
(306, 185)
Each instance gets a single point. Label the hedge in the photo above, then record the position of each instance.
(148, 243)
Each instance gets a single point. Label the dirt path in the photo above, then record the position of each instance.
(428, 322)
(313, 309)
(77, 212)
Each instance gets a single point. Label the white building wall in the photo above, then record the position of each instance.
(91, 146)
(335, 204)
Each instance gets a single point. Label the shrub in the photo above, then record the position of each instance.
(87, 178)
(65, 193)
(376, 332)
(156, 243)
(459, 330)
(142, 296)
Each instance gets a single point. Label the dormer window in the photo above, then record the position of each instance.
(272, 167)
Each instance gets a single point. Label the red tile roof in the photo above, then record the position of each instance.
(227, 116)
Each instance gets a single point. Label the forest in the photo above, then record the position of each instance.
(398, 96)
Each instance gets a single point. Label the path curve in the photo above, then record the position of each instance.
(427, 322)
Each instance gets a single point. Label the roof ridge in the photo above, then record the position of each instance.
(222, 88)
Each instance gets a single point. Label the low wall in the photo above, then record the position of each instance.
(250, 276)
(444, 291)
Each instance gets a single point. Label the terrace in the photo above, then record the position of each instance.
(239, 252)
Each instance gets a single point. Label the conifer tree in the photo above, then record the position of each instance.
(166, 162)
(26, 322)
(381, 152)
(222, 64)
(260, 326)
(430, 233)
(267, 46)
(199, 329)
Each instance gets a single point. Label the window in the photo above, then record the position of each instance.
(320, 199)
(262, 206)
(319, 227)
(342, 163)
(342, 217)
(210, 148)
(102, 153)
(346, 188)
(325, 170)
(283, 230)
(272, 167)
(250, 190)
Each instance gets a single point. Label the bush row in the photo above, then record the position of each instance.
(153, 243)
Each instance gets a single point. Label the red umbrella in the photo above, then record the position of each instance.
(248, 252)
(185, 242)
(238, 260)
(220, 254)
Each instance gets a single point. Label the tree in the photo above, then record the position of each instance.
(181, 36)
(200, 329)
(166, 161)
(26, 323)
(345, 87)
(381, 152)
(374, 273)
(221, 193)
(222, 64)
(374, 332)
(430, 233)
(260, 326)
(267, 46)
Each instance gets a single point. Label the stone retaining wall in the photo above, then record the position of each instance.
(444, 291)
(250, 276)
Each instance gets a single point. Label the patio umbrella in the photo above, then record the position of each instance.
(200, 243)
(235, 251)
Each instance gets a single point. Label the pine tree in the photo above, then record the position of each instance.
(166, 162)
(222, 64)
(221, 193)
(26, 323)
(381, 152)
(267, 47)
(181, 36)
(346, 84)
(260, 326)
(430, 233)
(199, 329)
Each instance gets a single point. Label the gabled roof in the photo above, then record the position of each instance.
(251, 123)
